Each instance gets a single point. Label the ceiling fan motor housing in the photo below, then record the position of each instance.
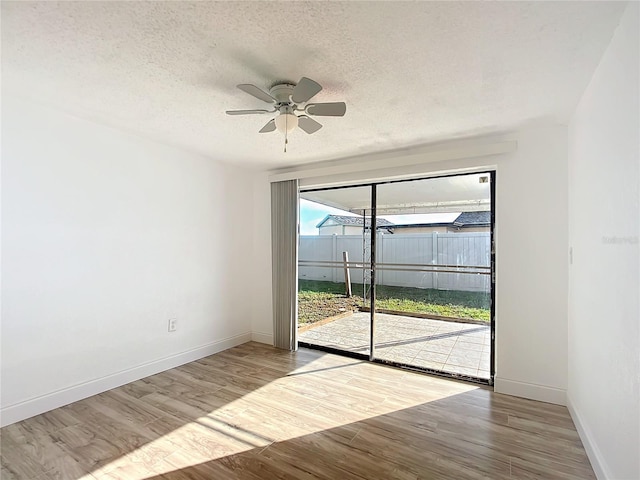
(282, 92)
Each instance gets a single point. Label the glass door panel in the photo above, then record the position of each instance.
(334, 268)
(433, 274)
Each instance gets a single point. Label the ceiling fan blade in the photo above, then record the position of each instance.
(269, 127)
(308, 124)
(304, 90)
(246, 112)
(256, 92)
(334, 109)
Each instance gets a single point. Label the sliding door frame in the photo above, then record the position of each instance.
(372, 267)
(492, 243)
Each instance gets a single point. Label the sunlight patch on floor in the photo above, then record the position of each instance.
(260, 418)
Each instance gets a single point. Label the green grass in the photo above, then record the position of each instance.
(318, 300)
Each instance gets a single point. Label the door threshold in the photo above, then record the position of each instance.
(403, 366)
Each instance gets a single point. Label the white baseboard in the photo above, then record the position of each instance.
(35, 406)
(262, 337)
(593, 452)
(532, 391)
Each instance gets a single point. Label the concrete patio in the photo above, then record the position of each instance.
(450, 347)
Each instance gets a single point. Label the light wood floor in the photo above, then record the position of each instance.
(254, 412)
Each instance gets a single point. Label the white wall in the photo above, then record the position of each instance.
(105, 236)
(604, 344)
(531, 243)
(532, 259)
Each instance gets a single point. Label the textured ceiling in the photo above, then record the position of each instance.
(410, 73)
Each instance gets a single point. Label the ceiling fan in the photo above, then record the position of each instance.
(287, 99)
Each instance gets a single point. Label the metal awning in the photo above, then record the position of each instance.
(463, 193)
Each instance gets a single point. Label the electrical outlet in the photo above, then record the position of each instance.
(173, 324)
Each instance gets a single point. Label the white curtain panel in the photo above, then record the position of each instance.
(284, 253)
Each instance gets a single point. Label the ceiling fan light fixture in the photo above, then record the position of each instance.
(286, 99)
(286, 122)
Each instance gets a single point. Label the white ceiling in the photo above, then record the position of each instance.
(410, 73)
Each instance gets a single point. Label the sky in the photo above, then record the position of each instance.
(312, 213)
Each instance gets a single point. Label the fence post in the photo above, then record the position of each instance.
(334, 257)
(434, 253)
(347, 275)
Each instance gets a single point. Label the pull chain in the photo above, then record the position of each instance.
(286, 131)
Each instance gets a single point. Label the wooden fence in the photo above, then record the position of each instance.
(459, 249)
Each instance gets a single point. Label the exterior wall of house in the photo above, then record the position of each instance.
(442, 229)
(352, 230)
(470, 230)
(340, 230)
(421, 230)
(330, 230)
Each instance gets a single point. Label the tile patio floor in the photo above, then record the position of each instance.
(451, 347)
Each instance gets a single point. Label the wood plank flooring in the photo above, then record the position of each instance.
(255, 412)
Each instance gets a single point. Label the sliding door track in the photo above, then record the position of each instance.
(365, 357)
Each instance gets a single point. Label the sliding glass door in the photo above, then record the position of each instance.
(401, 273)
